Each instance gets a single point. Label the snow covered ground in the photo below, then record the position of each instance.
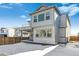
(36, 52)
(24, 48)
(28, 49)
(71, 49)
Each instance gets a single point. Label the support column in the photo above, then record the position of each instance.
(21, 34)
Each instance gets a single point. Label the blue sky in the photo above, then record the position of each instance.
(17, 14)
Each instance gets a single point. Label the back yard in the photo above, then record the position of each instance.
(20, 48)
(29, 49)
(71, 49)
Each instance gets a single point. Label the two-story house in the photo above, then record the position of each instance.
(49, 26)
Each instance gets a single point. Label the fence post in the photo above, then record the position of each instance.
(78, 37)
(3, 40)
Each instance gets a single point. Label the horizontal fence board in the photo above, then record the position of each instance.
(74, 38)
(9, 40)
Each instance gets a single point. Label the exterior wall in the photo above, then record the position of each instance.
(17, 33)
(63, 21)
(11, 32)
(47, 40)
(56, 24)
(64, 29)
(3, 30)
(62, 35)
(45, 22)
(68, 30)
(44, 25)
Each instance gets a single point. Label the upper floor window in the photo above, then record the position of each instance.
(41, 17)
(47, 15)
(35, 18)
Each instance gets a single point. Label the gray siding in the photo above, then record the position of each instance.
(57, 23)
(63, 29)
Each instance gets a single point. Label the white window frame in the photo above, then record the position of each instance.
(35, 18)
(47, 15)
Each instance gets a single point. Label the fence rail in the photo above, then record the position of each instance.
(74, 38)
(9, 40)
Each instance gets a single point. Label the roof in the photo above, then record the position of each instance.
(45, 8)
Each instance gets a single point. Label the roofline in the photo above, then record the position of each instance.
(40, 7)
(57, 10)
(47, 9)
(67, 17)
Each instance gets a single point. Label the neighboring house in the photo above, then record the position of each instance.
(23, 31)
(16, 32)
(11, 32)
(19, 32)
(3, 32)
(49, 26)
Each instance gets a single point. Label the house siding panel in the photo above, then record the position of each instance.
(48, 40)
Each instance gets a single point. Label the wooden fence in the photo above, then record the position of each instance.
(74, 38)
(9, 40)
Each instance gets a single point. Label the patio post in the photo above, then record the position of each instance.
(21, 34)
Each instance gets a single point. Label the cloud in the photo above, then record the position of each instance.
(16, 4)
(71, 9)
(27, 11)
(23, 16)
(19, 6)
(74, 11)
(28, 19)
(65, 3)
(4, 6)
(10, 5)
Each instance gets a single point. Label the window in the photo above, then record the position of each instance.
(47, 15)
(42, 33)
(37, 33)
(49, 33)
(35, 18)
(41, 17)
